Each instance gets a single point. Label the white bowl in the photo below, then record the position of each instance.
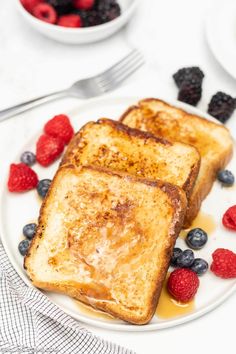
(80, 35)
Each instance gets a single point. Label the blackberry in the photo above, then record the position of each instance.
(103, 11)
(190, 92)
(104, 4)
(114, 12)
(89, 18)
(188, 74)
(62, 7)
(107, 10)
(221, 106)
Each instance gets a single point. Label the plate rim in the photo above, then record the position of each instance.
(211, 43)
(93, 321)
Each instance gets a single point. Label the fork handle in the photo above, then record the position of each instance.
(25, 106)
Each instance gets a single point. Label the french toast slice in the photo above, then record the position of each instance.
(106, 239)
(110, 144)
(212, 140)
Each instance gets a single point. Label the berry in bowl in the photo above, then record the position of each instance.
(77, 21)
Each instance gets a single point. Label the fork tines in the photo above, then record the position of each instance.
(120, 71)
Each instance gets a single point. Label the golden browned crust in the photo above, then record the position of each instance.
(175, 193)
(128, 111)
(178, 224)
(73, 148)
(138, 108)
(178, 201)
(180, 110)
(190, 182)
(133, 132)
(204, 189)
(204, 183)
(40, 227)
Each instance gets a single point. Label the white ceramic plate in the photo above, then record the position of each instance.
(18, 210)
(221, 34)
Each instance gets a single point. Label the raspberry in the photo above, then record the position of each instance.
(83, 4)
(21, 178)
(229, 218)
(183, 284)
(221, 106)
(224, 263)
(190, 92)
(70, 21)
(45, 12)
(29, 5)
(48, 149)
(60, 127)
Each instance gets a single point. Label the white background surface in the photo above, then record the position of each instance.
(171, 35)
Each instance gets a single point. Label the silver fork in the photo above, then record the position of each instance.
(86, 88)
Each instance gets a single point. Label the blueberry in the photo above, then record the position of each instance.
(176, 253)
(43, 186)
(23, 247)
(199, 266)
(226, 177)
(29, 230)
(28, 158)
(196, 238)
(186, 259)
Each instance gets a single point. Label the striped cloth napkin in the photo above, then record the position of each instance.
(30, 323)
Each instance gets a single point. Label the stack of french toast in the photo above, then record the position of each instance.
(122, 194)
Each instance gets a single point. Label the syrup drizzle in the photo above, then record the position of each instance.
(204, 221)
(91, 312)
(168, 307)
